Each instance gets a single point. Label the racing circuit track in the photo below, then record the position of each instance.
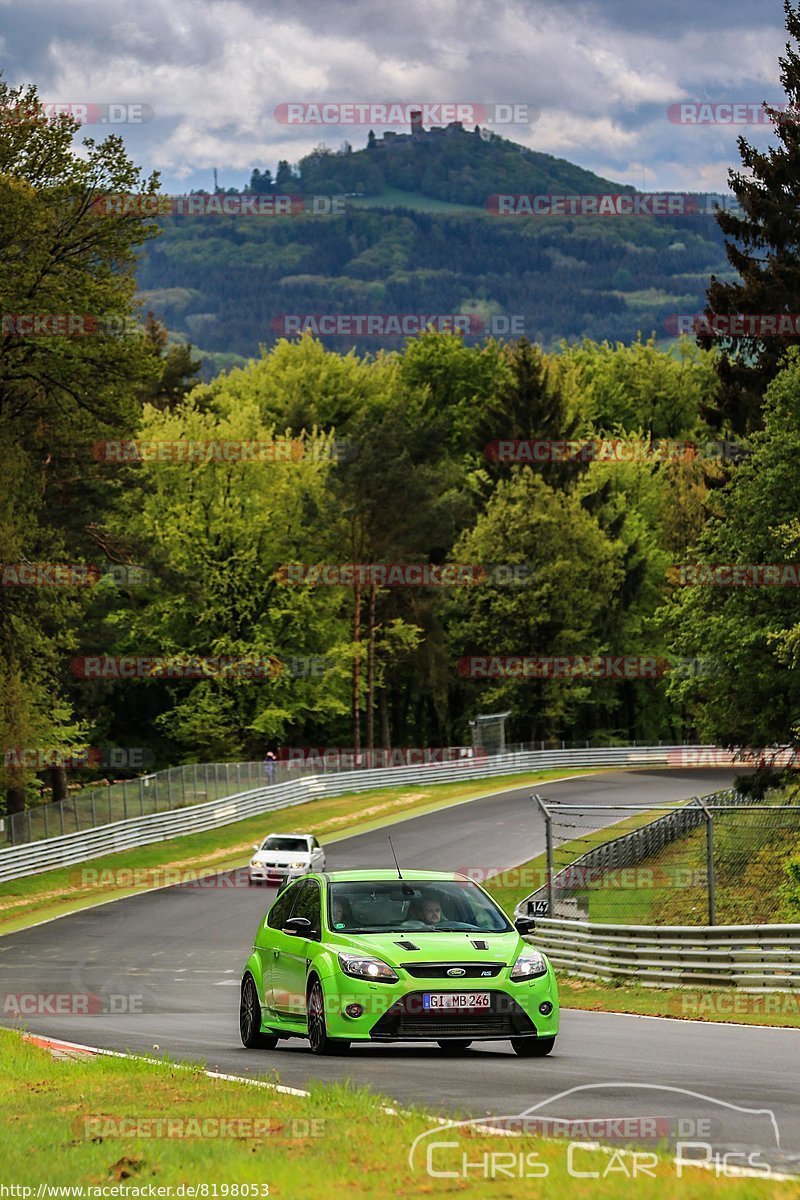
(176, 955)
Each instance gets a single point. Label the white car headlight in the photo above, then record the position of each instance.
(295, 866)
(254, 862)
(364, 966)
(529, 964)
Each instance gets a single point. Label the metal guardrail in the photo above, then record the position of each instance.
(46, 854)
(194, 783)
(757, 957)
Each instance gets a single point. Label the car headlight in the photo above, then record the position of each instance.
(296, 866)
(529, 964)
(363, 966)
(254, 862)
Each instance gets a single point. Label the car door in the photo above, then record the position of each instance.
(291, 966)
(270, 940)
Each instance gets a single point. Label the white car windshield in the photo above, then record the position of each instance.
(287, 845)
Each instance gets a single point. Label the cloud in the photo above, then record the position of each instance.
(602, 72)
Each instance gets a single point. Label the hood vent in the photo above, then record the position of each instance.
(480, 945)
(406, 945)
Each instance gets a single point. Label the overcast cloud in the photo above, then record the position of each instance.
(601, 74)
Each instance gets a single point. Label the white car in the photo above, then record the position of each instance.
(285, 856)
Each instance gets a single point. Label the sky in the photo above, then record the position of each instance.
(199, 84)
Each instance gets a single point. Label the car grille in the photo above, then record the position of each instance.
(407, 1020)
(470, 970)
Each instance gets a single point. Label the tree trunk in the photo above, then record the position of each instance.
(371, 670)
(58, 784)
(356, 664)
(386, 733)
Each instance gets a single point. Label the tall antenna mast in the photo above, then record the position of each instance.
(394, 856)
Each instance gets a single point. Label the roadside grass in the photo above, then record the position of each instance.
(671, 887)
(60, 1120)
(778, 1009)
(67, 889)
(511, 887)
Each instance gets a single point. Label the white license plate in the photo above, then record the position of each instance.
(456, 1000)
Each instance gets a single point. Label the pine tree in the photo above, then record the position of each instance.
(762, 244)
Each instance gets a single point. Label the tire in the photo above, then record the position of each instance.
(533, 1047)
(250, 1019)
(455, 1046)
(318, 1038)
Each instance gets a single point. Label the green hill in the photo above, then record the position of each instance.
(416, 237)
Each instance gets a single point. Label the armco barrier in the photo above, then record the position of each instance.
(757, 957)
(44, 855)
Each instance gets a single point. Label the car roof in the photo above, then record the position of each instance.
(389, 873)
(297, 835)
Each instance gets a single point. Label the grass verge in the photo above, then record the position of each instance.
(67, 889)
(778, 1009)
(61, 1122)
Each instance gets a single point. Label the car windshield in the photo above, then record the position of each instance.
(413, 906)
(289, 845)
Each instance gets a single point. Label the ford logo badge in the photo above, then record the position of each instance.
(456, 971)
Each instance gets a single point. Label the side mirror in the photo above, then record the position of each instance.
(257, 846)
(524, 925)
(298, 927)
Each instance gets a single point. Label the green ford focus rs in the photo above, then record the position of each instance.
(370, 956)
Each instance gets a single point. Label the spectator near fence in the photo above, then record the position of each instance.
(269, 766)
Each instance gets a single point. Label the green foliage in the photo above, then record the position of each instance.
(749, 636)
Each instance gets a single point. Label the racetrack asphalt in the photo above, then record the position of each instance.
(162, 970)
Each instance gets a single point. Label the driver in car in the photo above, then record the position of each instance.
(431, 910)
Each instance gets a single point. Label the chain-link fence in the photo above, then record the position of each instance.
(194, 783)
(721, 859)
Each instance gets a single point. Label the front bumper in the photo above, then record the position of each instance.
(395, 1012)
(275, 875)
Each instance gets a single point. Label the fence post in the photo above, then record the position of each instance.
(548, 836)
(712, 899)
(169, 788)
